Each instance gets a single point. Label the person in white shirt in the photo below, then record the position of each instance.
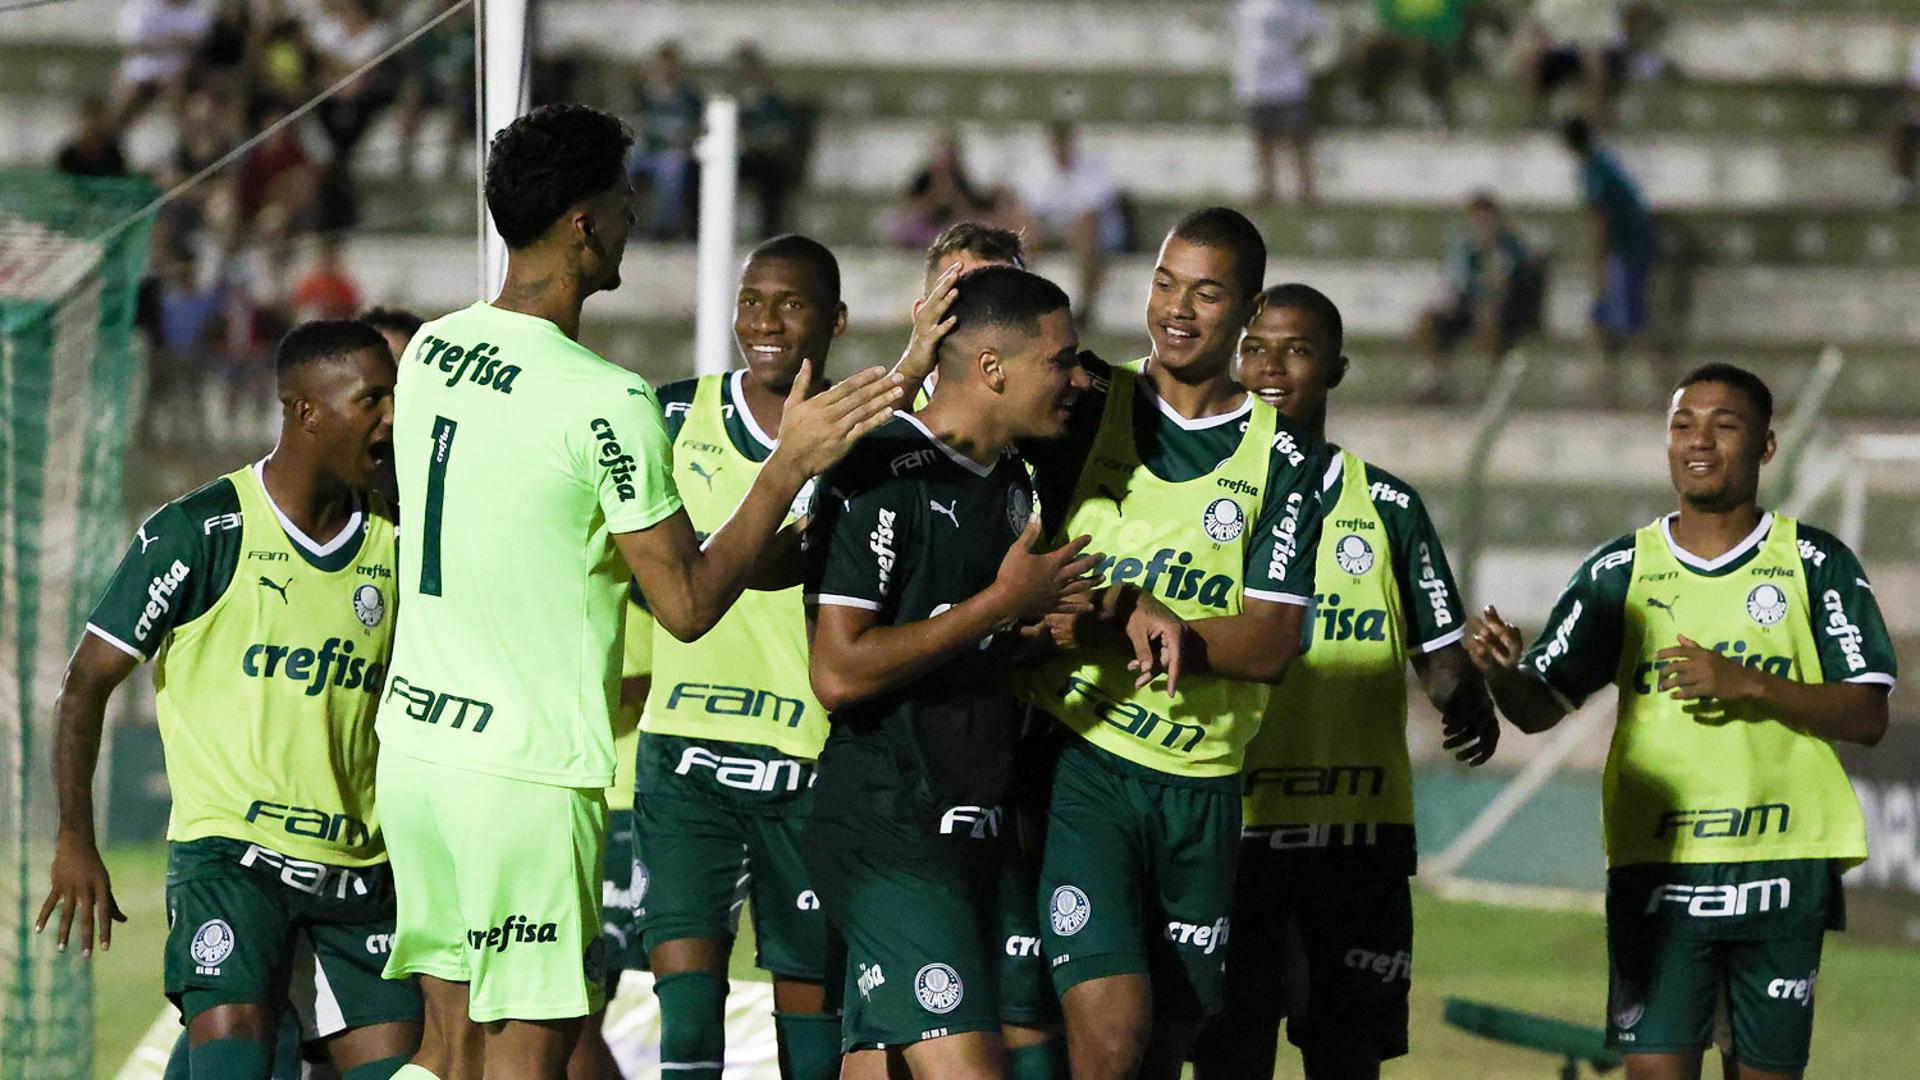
(159, 39)
(1273, 81)
(1073, 201)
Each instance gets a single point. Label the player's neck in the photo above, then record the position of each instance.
(968, 427)
(1200, 390)
(1709, 534)
(769, 406)
(544, 292)
(316, 504)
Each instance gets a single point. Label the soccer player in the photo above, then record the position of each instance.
(536, 481)
(266, 602)
(397, 325)
(1743, 644)
(1205, 497)
(1327, 844)
(732, 730)
(961, 247)
(922, 565)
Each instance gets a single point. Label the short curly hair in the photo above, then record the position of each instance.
(548, 160)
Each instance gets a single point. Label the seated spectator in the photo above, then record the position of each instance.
(1624, 246)
(772, 140)
(1274, 83)
(348, 35)
(1574, 41)
(1073, 201)
(94, 150)
(1486, 296)
(939, 195)
(1421, 34)
(669, 112)
(438, 76)
(159, 40)
(326, 291)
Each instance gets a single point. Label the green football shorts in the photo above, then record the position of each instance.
(621, 883)
(1137, 878)
(1721, 953)
(244, 922)
(497, 884)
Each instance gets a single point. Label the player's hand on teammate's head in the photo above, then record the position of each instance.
(930, 325)
(817, 430)
(82, 887)
(1157, 635)
(1492, 643)
(1033, 585)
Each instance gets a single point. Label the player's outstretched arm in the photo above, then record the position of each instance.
(1469, 727)
(1836, 711)
(689, 586)
(1257, 645)
(854, 658)
(80, 884)
(1495, 647)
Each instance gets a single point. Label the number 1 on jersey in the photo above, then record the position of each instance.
(436, 496)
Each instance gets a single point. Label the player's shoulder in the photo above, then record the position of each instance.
(1608, 566)
(897, 452)
(207, 508)
(1823, 553)
(681, 392)
(1389, 491)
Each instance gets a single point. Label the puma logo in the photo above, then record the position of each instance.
(949, 510)
(1663, 605)
(144, 539)
(281, 589)
(700, 471)
(1108, 493)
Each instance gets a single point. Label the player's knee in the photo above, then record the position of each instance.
(251, 1021)
(1114, 1046)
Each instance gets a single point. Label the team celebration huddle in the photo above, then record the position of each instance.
(1048, 713)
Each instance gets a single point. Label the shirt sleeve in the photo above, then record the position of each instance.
(1848, 628)
(1280, 559)
(1427, 591)
(854, 542)
(165, 580)
(1579, 650)
(621, 448)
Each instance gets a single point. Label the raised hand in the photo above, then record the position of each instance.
(1494, 646)
(817, 430)
(1034, 585)
(930, 325)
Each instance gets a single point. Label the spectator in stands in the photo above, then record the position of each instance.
(1906, 135)
(438, 76)
(1073, 201)
(1485, 296)
(669, 112)
(226, 54)
(1421, 34)
(1624, 245)
(274, 187)
(773, 133)
(284, 64)
(159, 40)
(939, 195)
(349, 34)
(1273, 81)
(1574, 41)
(94, 150)
(326, 291)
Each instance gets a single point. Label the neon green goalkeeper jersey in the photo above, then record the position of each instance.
(520, 455)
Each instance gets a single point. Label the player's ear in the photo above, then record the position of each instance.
(840, 318)
(1338, 373)
(992, 370)
(1767, 447)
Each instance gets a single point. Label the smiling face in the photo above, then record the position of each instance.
(1194, 310)
(1716, 442)
(783, 314)
(1288, 359)
(1040, 376)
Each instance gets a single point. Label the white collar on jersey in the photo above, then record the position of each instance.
(1334, 470)
(959, 458)
(346, 533)
(1687, 558)
(1185, 424)
(736, 390)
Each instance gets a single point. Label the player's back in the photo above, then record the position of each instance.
(519, 453)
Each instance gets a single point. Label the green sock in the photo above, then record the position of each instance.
(384, 1069)
(231, 1059)
(1041, 1061)
(177, 1064)
(809, 1045)
(693, 1024)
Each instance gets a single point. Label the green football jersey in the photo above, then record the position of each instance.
(268, 651)
(520, 455)
(906, 527)
(1699, 782)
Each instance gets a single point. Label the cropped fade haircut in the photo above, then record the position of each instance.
(1740, 379)
(1001, 296)
(1305, 297)
(548, 160)
(323, 339)
(989, 243)
(807, 252)
(392, 320)
(1228, 229)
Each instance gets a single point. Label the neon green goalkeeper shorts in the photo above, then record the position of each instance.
(497, 885)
